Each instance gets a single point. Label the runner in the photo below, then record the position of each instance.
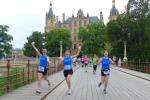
(82, 62)
(90, 61)
(68, 67)
(94, 61)
(105, 70)
(86, 61)
(43, 67)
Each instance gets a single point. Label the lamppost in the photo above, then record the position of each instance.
(61, 48)
(125, 52)
(125, 49)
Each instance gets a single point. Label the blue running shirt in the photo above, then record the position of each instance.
(105, 63)
(67, 63)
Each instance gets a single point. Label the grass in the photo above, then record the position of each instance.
(18, 77)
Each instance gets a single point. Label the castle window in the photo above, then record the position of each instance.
(85, 23)
(80, 23)
(80, 16)
(75, 38)
(75, 31)
(75, 46)
(75, 23)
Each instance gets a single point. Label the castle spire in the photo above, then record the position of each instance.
(113, 2)
(50, 4)
(50, 13)
(101, 17)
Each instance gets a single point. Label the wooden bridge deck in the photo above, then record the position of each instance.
(122, 86)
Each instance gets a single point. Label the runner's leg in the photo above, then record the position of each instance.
(106, 82)
(46, 78)
(40, 75)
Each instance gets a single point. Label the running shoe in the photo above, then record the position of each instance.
(69, 92)
(38, 91)
(49, 83)
(99, 84)
(104, 91)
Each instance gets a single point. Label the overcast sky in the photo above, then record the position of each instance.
(25, 16)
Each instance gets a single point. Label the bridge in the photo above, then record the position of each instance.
(124, 84)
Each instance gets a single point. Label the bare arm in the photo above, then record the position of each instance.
(79, 49)
(98, 61)
(35, 48)
(112, 62)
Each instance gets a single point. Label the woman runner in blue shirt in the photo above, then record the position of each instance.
(43, 66)
(68, 67)
(105, 70)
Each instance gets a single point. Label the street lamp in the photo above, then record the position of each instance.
(61, 48)
(125, 49)
(125, 52)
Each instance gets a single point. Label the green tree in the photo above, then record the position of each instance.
(131, 27)
(5, 40)
(93, 37)
(138, 10)
(53, 39)
(38, 38)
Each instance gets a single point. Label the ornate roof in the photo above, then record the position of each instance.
(80, 13)
(114, 11)
(50, 13)
(94, 19)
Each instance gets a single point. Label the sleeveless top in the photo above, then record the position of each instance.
(94, 60)
(105, 63)
(43, 61)
(86, 60)
(67, 63)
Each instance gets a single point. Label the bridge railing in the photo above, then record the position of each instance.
(14, 76)
(138, 66)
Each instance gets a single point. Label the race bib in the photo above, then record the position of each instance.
(41, 68)
(106, 72)
(67, 67)
(86, 62)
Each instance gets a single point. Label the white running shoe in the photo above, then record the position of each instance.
(38, 91)
(69, 92)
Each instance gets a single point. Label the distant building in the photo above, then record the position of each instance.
(72, 23)
(113, 12)
(17, 53)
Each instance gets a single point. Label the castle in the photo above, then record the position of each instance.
(73, 23)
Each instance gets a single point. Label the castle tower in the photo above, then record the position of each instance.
(113, 12)
(63, 17)
(50, 20)
(101, 18)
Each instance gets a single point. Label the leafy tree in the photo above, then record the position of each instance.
(53, 39)
(137, 11)
(5, 39)
(93, 37)
(132, 27)
(38, 38)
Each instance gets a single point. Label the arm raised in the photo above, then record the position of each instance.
(79, 50)
(33, 45)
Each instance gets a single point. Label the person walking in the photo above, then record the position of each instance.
(105, 70)
(43, 67)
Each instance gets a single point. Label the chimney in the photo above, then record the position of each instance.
(63, 15)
